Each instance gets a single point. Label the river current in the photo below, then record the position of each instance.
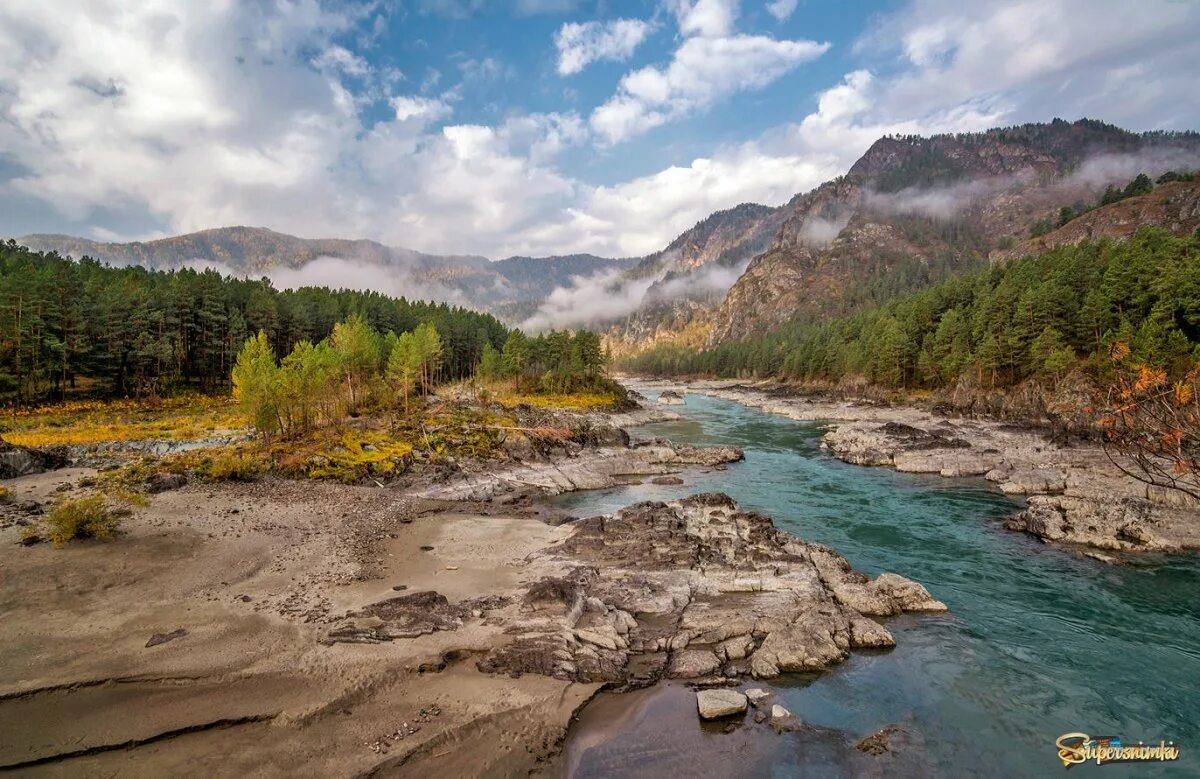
(1038, 642)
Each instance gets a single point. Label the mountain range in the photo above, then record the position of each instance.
(911, 211)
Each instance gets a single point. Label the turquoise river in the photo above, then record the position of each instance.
(1038, 642)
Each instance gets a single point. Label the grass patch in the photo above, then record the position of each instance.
(6, 495)
(87, 517)
(186, 417)
(372, 449)
(586, 401)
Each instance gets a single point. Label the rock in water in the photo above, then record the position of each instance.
(878, 742)
(671, 398)
(714, 704)
(782, 719)
(757, 695)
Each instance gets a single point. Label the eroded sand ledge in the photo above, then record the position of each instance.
(1075, 495)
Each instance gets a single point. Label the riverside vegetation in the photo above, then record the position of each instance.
(350, 400)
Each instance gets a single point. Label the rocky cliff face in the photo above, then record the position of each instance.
(1175, 206)
(913, 210)
(692, 276)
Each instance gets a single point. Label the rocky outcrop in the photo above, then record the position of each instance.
(695, 588)
(1075, 495)
(21, 461)
(1174, 205)
(578, 469)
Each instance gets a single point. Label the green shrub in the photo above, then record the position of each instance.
(6, 495)
(88, 517)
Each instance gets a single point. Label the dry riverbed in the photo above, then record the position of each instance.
(1075, 494)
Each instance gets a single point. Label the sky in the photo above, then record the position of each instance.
(532, 127)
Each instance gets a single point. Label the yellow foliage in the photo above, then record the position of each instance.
(6, 495)
(1183, 393)
(569, 402)
(185, 417)
(231, 466)
(1149, 378)
(358, 455)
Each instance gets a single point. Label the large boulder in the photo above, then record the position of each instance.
(714, 704)
(21, 461)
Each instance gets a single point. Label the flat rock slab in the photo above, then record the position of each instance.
(714, 704)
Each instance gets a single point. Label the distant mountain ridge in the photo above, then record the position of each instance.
(255, 251)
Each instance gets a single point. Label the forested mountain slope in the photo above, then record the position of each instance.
(915, 210)
(1037, 317)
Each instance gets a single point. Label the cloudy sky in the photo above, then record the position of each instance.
(528, 126)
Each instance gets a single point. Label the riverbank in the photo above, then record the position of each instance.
(1075, 495)
(447, 623)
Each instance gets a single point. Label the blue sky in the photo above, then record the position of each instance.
(528, 126)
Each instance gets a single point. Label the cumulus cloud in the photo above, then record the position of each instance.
(713, 18)
(702, 71)
(580, 44)
(184, 116)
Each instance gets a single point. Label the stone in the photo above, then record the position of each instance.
(671, 398)
(866, 633)
(714, 704)
(879, 742)
(693, 588)
(666, 480)
(757, 695)
(162, 638)
(21, 461)
(690, 663)
(782, 719)
(162, 482)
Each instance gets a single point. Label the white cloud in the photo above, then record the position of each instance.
(423, 109)
(702, 71)
(188, 116)
(713, 18)
(339, 58)
(782, 9)
(580, 44)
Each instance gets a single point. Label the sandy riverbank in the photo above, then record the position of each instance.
(1075, 494)
(450, 626)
